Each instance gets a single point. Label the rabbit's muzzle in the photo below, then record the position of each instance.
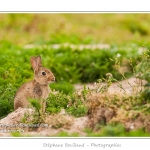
(51, 79)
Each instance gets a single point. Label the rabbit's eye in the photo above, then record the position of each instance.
(43, 73)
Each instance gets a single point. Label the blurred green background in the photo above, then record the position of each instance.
(117, 28)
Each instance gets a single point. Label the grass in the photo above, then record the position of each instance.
(25, 35)
(116, 130)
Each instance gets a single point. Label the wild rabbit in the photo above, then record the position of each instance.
(38, 88)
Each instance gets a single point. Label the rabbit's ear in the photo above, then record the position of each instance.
(34, 63)
(39, 61)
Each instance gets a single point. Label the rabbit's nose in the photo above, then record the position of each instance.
(53, 79)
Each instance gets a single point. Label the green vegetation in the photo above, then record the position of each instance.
(63, 41)
(72, 103)
(116, 130)
(144, 73)
(68, 65)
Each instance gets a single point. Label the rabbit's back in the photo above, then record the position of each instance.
(29, 90)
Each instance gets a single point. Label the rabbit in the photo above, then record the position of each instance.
(38, 88)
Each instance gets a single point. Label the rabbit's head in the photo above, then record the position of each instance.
(41, 75)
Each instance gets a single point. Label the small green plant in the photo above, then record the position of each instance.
(143, 69)
(25, 117)
(72, 103)
(64, 87)
(56, 101)
(38, 115)
(35, 104)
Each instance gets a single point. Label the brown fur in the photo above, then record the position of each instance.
(37, 88)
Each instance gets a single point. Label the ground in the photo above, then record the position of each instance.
(56, 123)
